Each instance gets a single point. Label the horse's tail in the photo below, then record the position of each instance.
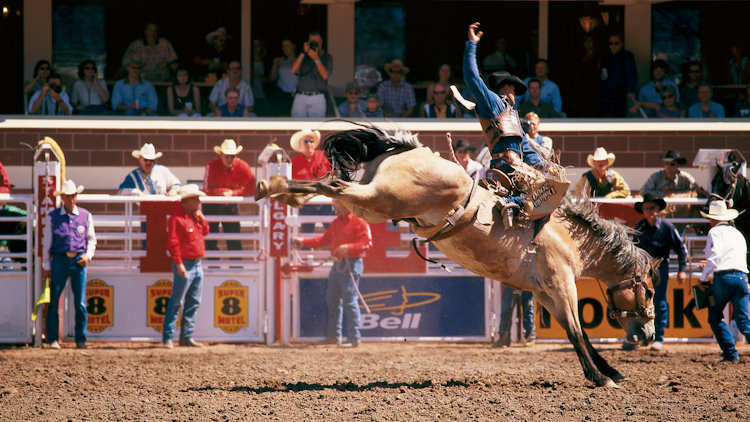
(347, 149)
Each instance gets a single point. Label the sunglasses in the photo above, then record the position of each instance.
(673, 164)
(90, 68)
(614, 43)
(308, 141)
(439, 92)
(235, 67)
(664, 97)
(353, 93)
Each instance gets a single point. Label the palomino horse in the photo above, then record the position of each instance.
(406, 181)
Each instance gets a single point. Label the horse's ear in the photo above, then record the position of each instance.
(655, 264)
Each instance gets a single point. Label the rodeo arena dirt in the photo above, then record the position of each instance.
(427, 334)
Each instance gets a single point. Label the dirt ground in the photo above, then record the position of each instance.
(377, 381)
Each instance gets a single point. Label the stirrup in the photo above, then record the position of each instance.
(507, 214)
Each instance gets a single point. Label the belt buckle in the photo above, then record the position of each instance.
(71, 254)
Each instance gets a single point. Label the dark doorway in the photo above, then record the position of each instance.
(11, 54)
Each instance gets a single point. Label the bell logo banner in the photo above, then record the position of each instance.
(157, 297)
(230, 306)
(99, 305)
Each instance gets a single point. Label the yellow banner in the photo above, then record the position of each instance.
(230, 306)
(157, 297)
(99, 305)
(684, 320)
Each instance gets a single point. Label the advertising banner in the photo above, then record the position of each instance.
(438, 307)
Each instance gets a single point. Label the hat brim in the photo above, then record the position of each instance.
(660, 202)
(730, 215)
(590, 159)
(78, 190)
(218, 150)
(296, 140)
(192, 195)
(679, 160)
(137, 154)
(389, 67)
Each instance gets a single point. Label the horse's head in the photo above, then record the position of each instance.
(632, 303)
(725, 179)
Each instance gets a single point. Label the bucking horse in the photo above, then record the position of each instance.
(404, 180)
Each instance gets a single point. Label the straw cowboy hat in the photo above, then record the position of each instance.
(675, 156)
(147, 151)
(600, 155)
(189, 191)
(717, 210)
(497, 79)
(649, 198)
(69, 188)
(228, 147)
(221, 31)
(396, 64)
(297, 138)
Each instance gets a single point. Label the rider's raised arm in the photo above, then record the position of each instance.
(488, 103)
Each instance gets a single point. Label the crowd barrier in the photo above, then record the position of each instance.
(253, 296)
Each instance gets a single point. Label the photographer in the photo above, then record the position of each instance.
(51, 101)
(313, 67)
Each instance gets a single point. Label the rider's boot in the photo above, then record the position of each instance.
(508, 211)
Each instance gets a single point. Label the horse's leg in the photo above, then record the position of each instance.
(602, 364)
(564, 308)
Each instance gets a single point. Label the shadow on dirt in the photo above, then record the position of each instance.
(349, 386)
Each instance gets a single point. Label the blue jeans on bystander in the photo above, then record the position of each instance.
(187, 288)
(341, 298)
(729, 287)
(62, 267)
(506, 315)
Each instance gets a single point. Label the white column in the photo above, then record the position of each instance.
(340, 45)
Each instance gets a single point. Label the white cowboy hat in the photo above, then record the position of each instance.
(69, 188)
(147, 151)
(717, 210)
(600, 155)
(189, 191)
(297, 138)
(228, 147)
(396, 64)
(220, 31)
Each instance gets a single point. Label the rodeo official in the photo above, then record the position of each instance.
(69, 242)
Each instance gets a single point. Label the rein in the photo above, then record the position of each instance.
(637, 285)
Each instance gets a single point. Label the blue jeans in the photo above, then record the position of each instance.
(62, 267)
(506, 313)
(341, 295)
(186, 288)
(729, 287)
(661, 308)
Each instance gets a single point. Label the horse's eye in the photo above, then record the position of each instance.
(649, 294)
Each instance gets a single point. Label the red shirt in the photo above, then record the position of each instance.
(345, 229)
(4, 181)
(316, 168)
(240, 180)
(185, 236)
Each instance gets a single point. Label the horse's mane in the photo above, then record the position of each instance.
(615, 238)
(347, 149)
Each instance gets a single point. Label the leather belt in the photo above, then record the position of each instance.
(310, 92)
(71, 254)
(728, 271)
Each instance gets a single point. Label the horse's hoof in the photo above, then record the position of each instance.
(261, 190)
(611, 384)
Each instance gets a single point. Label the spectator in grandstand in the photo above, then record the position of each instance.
(68, 245)
(233, 80)
(526, 302)
(396, 96)
(155, 54)
(373, 107)
(354, 106)
(213, 59)
(313, 66)
(671, 180)
(739, 68)
(282, 95)
(500, 59)
(183, 98)
(534, 103)
(693, 76)
(185, 232)
(132, 96)
(742, 108)
(231, 106)
(42, 70)
(90, 94)
(227, 175)
(149, 178)
(550, 92)
(601, 180)
(705, 107)
(619, 79)
(463, 150)
(726, 252)
(444, 76)
(541, 144)
(667, 108)
(309, 164)
(51, 101)
(349, 237)
(441, 107)
(585, 93)
(658, 237)
(653, 91)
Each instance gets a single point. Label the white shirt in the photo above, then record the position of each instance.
(47, 238)
(475, 167)
(725, 250)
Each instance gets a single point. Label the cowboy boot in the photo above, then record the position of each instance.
(508, 210)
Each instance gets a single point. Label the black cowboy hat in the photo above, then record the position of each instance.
(675, 156)
(497, 79)
(649, 198)
(462, 144)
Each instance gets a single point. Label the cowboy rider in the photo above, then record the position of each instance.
(500, 122)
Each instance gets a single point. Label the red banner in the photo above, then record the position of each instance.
(279, 230)
(47, 204)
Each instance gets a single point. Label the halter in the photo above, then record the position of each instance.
(640, 311)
